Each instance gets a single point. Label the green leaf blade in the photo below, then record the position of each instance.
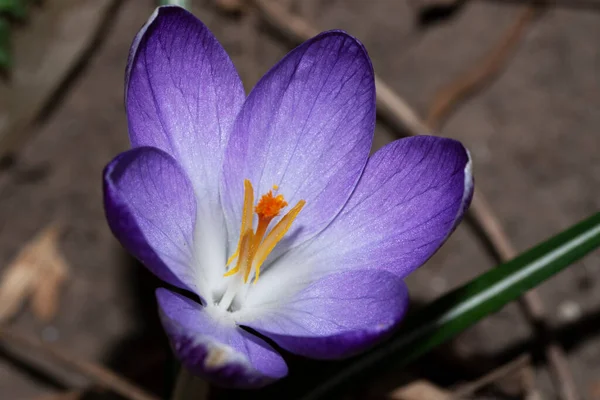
(454, 312)
(5, 56)
(15, 8)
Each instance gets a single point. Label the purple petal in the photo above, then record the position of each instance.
(410, 198)
(336, 316)
(151, 209)
(307, 127)
(212, 346)
(182, 95)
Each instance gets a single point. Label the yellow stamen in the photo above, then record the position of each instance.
(246, 217)
(275, 236)
(253, 246)
(244, 260)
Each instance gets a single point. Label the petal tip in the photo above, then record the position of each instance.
(353, 39)
(223, 353)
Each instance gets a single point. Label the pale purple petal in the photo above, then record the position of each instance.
(307, 127)
(333, 317)
(151, 208)
(182, 95)
(216, 348)
(410, 198)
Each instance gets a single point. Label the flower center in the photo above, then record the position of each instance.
(254, 246)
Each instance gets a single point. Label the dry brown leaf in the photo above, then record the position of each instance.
(231, 6)
(594, 390)
(46, 296)
(71, 395)
(420, 390)
(37, 272)
(15, 287)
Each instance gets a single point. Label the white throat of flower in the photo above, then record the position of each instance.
(255, 245)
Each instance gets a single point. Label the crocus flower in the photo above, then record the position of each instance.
(267, 207)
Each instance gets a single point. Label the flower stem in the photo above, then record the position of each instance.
(180, 3)
(189, 387)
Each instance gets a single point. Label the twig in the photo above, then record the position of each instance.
(100, 375)
(294, 27)
(24, 121)
(399, 114)
(482, 73)
(390, 106)
(583, 5)
(470, 388)
(444, 102)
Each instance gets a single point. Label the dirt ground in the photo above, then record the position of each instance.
(533, 135)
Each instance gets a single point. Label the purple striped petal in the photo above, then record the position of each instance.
(182, 95)
(336, 316)
(214, 347)
(307, 127)
(151, 208)
(410, 198)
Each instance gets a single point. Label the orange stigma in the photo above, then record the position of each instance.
(269, 206)
(255, 246)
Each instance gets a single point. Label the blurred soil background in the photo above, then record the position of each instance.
(533, 134)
